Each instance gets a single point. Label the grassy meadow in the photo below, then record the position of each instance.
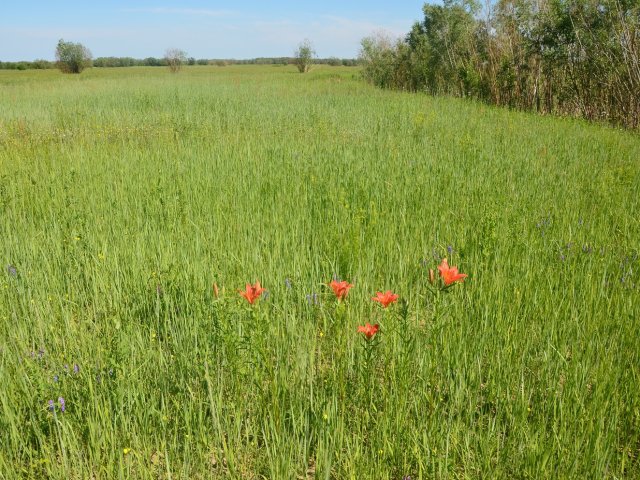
(126, 194)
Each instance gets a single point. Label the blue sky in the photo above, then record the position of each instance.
(204, 29)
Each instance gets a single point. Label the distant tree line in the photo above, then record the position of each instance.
(162, 62)
(575, 57)
(36, 64)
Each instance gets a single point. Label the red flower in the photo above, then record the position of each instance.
(369, 330)
(450, 274)
(385, 298)
(252, 292)
(340, 288)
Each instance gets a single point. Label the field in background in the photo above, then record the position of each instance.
(126, 193)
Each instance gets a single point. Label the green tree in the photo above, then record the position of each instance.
(304, 56)
(72, 57)
(378, 58)
(175, 58)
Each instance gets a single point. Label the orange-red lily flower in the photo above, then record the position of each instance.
(369, 330)
(385, 298)
(450, 274)
(252, 292)
(340, 288)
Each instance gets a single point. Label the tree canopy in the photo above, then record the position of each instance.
(72, 57)
(304, 56)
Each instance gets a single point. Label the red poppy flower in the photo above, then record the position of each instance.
(385, 298)
(450, 274)
(252, 292)
(340, 288)
(369, 330)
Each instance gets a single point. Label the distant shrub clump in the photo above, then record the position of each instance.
(72, 57)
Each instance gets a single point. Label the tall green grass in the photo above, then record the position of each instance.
(125, 194)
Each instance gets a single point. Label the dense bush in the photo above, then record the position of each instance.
(72, 57)
(576, 57)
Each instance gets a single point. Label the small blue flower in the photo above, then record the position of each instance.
(56, 378)
(51, 405)
(450, 249)
(76, 368)
(12, 271)
(287, 283)
(62, 404)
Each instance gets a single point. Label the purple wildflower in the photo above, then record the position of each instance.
(450, 249)
(76, 368)
(51, 405)
(312, 299)
(62, 404)
(12, 271)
